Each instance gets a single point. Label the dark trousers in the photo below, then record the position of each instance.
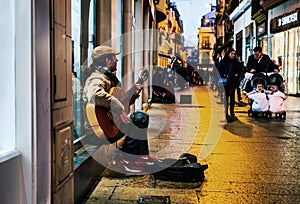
(229, 98)
(136, 141)
(238, 91)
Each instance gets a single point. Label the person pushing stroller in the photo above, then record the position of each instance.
(259, 62)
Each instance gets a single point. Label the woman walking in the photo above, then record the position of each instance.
(230, 68)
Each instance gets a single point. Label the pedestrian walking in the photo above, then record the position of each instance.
(230, 69)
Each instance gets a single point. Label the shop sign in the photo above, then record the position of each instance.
(288, 19)
(285, 21)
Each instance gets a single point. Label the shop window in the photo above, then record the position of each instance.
(205, 42)
(7, 77)
(15, 79)
(80, 61)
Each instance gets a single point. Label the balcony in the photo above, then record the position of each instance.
(207, 29)
(160, 7)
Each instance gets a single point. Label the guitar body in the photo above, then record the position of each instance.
(108, 121)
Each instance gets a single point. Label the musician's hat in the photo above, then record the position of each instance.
(102, 51)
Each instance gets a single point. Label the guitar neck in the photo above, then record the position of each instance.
(128, 95)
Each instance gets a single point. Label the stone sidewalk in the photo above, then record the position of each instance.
(249, 160)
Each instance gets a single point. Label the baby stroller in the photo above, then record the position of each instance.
(259, 96)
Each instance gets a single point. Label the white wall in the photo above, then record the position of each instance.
(7, 77)
(240, 24)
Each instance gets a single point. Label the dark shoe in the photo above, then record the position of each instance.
(232, 115)
(230, 119)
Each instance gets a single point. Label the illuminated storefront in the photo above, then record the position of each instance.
(285, 32)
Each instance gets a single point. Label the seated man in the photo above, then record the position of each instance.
(134, 152)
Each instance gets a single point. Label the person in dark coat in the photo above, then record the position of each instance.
(231, 68)
(259, 62)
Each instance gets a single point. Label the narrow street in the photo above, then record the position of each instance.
(249, 160)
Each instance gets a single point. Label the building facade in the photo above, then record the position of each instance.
(170, 35)
(243, 38)
(223, 29)
(284, 40)
(206, 39)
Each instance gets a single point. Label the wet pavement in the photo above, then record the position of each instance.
(252, 160)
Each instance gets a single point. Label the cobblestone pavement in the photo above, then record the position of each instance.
(249, 161)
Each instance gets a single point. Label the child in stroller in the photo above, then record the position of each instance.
(258, 101)
(276, 105)
(264, 86)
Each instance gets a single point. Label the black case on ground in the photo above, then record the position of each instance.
(183, 169)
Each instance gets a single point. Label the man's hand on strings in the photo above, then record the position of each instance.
(139, 87)
(124, 117)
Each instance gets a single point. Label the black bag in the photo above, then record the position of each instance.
(190, 157)
(183, 169)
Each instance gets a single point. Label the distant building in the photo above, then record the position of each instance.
(206, 39)
(223, 28)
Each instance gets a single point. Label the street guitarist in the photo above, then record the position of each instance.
(134, 151)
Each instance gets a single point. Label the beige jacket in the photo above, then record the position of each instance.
(96, 91)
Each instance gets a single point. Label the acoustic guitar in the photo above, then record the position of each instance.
(105, 122)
